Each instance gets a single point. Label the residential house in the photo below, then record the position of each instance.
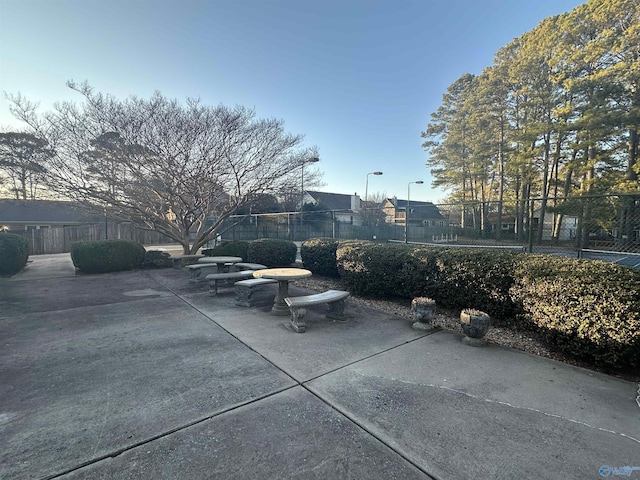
(420, 213)
(345, 208)
(39, 214)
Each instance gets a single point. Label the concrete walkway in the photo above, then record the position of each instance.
(142, 375)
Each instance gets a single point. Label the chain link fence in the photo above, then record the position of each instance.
(605, 227)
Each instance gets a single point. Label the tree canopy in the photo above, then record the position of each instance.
(557, 115)
(179, 169)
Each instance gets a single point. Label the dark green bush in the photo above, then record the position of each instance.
(156, 259)
(227, 248)
(455, 278)
(589, 309)
(377, 269)
(272, 253)
(14, 253)
(107, 255)
(476, 278)
(319, 256)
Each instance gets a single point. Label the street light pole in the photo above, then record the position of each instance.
(304, 162)
(366, 192)
(406, 212)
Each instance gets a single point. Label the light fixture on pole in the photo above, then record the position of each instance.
(304, 162)
(406, 213)
(366, 192)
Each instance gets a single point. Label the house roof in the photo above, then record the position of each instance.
(331, 201)
(40, 212)
(422, 209)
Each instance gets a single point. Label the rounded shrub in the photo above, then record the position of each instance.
(589, 309)
(375, 269)
(272, 253)
(227, 248)
(476, 278)
(319, 256)
(156, 259)
(107, 255)
(14, 253)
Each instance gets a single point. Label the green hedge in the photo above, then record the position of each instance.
(377, 269)
(156, 259)
(107, 255)
(272, 253)
(14, 253)
(476, 278)
(227, 248)
(590, 309)
(455, 278)
(319, 256)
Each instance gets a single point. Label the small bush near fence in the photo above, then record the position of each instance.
(14, 253)
(233, 249)
(107, 255)
(588, 309)
(272, 253)
(319, 256)
(156, 259)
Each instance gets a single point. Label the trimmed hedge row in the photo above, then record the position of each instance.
(14, 253)
(319, 256)
(269, 252)
(272, 253)
(228, 248)
(589, 309)
(156, 259)
(107, 255)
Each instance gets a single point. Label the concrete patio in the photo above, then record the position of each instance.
(143, 375)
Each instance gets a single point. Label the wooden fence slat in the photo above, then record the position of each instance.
(59, 239)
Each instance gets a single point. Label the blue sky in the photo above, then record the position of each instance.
(358, 78)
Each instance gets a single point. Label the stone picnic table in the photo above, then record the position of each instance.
(283, 276)
(221, 261)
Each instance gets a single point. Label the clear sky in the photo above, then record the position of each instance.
(359, 78)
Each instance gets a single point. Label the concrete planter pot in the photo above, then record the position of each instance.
(423, 311)
(475, 324)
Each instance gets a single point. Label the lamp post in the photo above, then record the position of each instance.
(304, 162)
(406, 212)
(366, 193)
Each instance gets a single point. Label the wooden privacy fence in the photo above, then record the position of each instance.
(59, 239)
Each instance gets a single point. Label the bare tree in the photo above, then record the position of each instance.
(372, 208)
(180, 170)
(290, 194)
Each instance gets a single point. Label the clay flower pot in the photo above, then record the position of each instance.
(423, 311)
(475, 324)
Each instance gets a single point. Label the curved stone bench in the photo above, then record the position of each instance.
(216, 279)
(248, 266)
(336, 299)
(245, 289)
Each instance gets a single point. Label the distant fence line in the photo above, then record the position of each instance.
(59, 239)
(602, 222)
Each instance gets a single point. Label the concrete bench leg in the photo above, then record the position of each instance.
(195, 276)
(213, 287)
(244, 296)
(336, 310)
(298, 321)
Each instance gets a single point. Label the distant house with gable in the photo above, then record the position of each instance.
(345, 208)
(20, 215)
(420, 213)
